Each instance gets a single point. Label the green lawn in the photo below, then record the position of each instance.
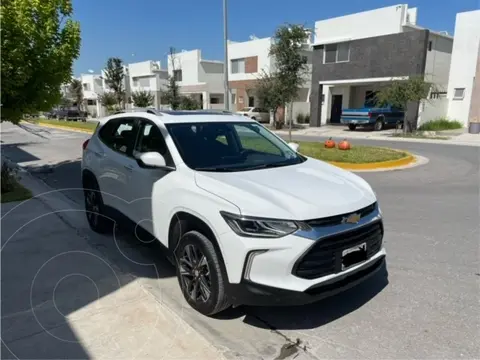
(71, 124)
(18, 193)
(356, 155)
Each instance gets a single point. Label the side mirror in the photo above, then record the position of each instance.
(293, 146)
(152, 159)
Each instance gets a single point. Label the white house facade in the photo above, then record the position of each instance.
(464, 101)
(199, 78)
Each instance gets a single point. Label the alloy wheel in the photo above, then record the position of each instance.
(195, 273)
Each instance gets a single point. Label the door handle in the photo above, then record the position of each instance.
(128, 167)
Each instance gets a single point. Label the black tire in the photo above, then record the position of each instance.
(193, 280)
(352, 127)
(95, 209)
(253, 118)
(379, 125)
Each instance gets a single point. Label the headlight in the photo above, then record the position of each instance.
(259, 227)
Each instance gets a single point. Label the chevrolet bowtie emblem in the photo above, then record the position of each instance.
(351, 219)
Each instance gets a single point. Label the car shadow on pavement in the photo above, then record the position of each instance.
(312, 315)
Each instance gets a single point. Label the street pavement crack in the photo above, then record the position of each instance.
(290, 347)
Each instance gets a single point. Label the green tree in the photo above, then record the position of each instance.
(172, 94)
(109, 100)
(189, 103)
(65, 102)
(76, 92)
(142, 98)
(39, 42)
(114, 76)
(401, 93)
(290, 63)
(269, 92)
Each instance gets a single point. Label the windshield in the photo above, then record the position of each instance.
(246, 109)
(230, 146)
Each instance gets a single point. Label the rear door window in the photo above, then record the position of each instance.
(119, 135)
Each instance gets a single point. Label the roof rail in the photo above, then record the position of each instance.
(149, 111)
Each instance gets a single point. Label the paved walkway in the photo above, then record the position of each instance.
(61, 299)
(339, 132)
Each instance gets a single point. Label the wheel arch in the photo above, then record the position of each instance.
(192, 222)
(87, 176)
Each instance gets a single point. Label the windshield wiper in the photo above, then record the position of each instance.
(213, 168)
(268, 166)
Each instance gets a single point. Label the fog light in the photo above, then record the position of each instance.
(251, 255)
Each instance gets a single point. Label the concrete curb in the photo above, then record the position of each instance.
(68, 128)
(378, 166)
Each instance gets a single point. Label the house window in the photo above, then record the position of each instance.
(458, 93)
(91, 102)
(238, 66)
(214, 100)
(177, 75)
(335, 53)
(141, 81)
(251, 101)
(86, 87)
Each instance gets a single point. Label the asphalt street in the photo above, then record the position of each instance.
(428, 308)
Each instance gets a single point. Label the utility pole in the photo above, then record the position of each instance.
(226, 99)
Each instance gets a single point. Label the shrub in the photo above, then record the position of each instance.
(300, 118)
(307, 119)
(440, 124)
(8, 178)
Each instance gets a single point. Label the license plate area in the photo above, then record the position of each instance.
(354, 255)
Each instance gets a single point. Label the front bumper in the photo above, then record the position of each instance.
(279, 270)
(250, 293)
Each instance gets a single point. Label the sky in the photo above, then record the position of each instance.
(139, 30)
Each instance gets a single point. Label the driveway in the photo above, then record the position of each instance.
(428, 309)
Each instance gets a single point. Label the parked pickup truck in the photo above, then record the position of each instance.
(378, 118)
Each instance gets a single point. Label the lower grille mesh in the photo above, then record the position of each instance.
(325, 257)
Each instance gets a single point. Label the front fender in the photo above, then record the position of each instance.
(183, 195)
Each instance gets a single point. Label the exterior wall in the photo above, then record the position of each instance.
(257, 59)
(211, 73)
(199, 77)
(475, 102)
(94, 85)
(432, 109)
(242, 90)
(258, 48)
(148, 76)
(396, 55)
(189, 63)
(378, 22)
(464, 62)
(438, 60)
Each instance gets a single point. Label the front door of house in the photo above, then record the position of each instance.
(336, 111)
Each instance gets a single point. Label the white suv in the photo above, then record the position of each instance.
(245, 218)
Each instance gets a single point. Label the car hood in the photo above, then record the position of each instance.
(312, 189)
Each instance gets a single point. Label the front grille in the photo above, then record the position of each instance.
(325, 257)
(337, 219)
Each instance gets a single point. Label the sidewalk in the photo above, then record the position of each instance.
(62, 299)
(339, 132)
